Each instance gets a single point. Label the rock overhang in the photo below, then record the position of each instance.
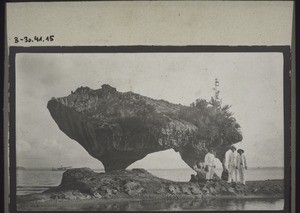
(120, 128)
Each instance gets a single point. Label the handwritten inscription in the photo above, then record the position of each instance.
(35, 39)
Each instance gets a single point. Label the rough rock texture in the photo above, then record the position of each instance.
(84, 183)
(121, 128)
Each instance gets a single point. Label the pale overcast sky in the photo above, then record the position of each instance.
(251, 82)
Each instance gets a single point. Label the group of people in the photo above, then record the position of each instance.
(236, 168)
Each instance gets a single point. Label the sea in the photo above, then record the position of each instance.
(37, 180)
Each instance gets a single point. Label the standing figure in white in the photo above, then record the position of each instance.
(210, 166)
(232, 171)
(241, 163)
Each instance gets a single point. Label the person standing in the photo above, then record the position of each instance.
(199, 168)
(241, 163)
(210, 166)
(232, 171)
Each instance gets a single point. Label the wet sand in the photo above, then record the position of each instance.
(126, 204)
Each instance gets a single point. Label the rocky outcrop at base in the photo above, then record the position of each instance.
(84, 183)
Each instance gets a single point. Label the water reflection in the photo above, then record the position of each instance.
(179, 205)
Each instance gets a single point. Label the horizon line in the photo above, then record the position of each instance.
(255, 167)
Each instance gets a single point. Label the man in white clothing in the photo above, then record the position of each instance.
(209, 162)
(232, 171)
(241, 165)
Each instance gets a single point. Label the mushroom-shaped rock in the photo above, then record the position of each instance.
(120, 128)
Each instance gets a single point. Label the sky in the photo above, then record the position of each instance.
(251, 82)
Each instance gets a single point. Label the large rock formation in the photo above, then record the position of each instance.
(121, 128)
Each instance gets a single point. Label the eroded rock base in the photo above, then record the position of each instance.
(84, 183)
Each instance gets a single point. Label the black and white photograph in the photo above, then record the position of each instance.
(149, 106)
(151, 130)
